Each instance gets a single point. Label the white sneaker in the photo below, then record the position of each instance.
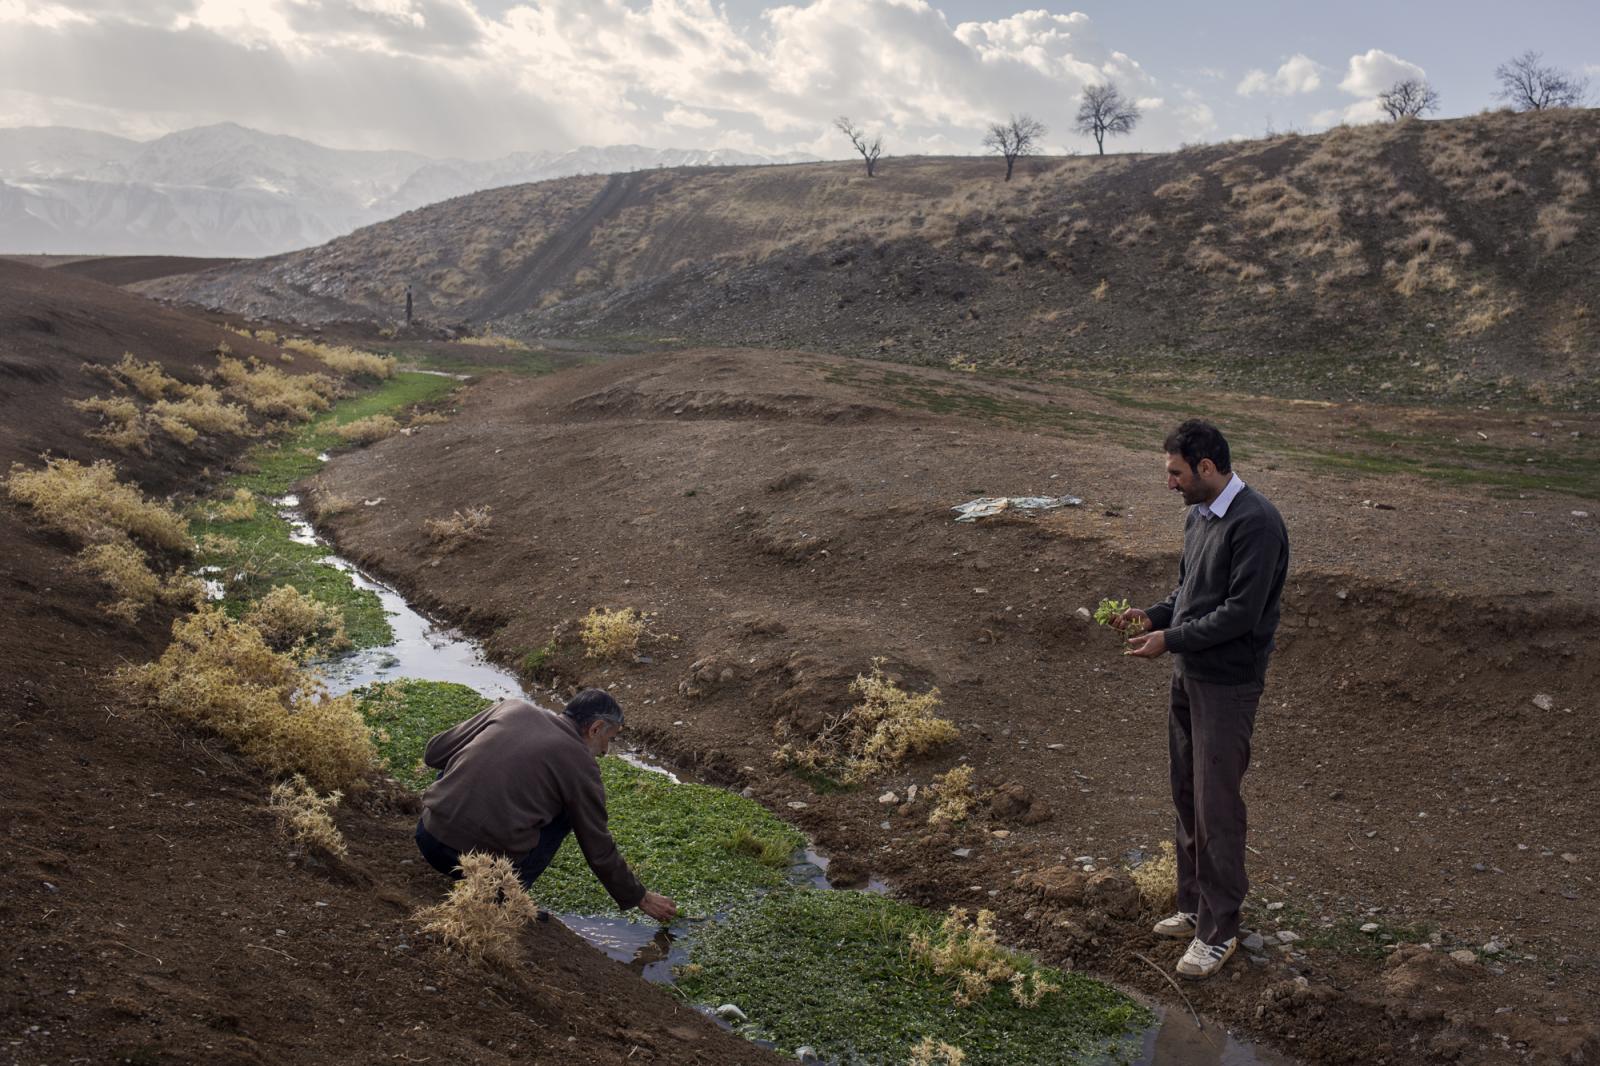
(1182, 923)
(1202, 959)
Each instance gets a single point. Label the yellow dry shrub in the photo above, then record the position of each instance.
(368, 430)
(1157, 878)
(240, 507)
(269, 391)
(931, 1052)
(201, 410)
(971, 954)
(90, 505)
(485, 912)
(326, 504)
(956, 796)
(122, 424)
(880, 731)
(491, 340)
(351, 362)
(147, 379)
(610, 634)
(222, 675)
(306, 818)
(463, 528)
(291, 621)
(121, 567)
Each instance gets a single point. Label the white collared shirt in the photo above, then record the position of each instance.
(1219, 506)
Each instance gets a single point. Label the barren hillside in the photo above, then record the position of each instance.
(1427, 258)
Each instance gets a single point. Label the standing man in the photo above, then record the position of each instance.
(515, 780)
(1219, 623)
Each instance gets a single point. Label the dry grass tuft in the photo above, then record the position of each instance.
(1101, 290)
(90, 505)
(305, 817)
(240, 507)
(880, 731)
(369, 430)
(610, 634)
(485, 912)
(223, 676)
(201, 410)
(122, 424)
(1157, 878)
(1558, 226)
(972, 955)
(270, 392)
(149, 380)
(956, 796)
(350, 362)
(122, 568)
(290, 621)
(931, 1052)
(491, 340)
(460, 529)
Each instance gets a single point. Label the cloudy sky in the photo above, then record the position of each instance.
(480, 78)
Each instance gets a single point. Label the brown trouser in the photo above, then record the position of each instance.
(1208, 737)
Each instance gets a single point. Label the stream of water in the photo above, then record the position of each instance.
(426, 649)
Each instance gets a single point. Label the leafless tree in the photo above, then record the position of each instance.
(1105, 110)
(870, 150)
(1409, 98)
(1016, 137)
(1527, 84)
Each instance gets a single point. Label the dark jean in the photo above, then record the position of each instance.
(447, 860)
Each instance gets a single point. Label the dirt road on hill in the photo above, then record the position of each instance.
(1422, 760)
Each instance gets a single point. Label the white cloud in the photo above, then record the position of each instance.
(1375, 71)
(689, 120)
(442, 76)
(1298, 74)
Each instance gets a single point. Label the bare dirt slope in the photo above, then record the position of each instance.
(151, 914)
(1425, 258)
(1421, 761)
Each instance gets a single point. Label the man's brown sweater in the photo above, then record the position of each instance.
(509, 772)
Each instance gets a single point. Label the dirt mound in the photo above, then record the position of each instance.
(1423, 258)
(1420, 762)
(129, 269)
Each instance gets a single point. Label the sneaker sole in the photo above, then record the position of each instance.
(1187, 932)
(1201, 976)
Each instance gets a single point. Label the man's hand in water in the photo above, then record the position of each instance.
(658, 906)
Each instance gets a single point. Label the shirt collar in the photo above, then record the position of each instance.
(1218, 507)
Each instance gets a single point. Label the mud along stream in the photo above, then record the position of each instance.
(763, 942)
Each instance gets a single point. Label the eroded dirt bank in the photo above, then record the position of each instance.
(150, 910)
(1421, 761)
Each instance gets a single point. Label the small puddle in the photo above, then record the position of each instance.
(426, 649)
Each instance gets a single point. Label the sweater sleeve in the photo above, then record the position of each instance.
(443, 747)
(586, 806)
(1255, 552)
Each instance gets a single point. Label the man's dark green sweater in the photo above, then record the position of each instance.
(1221, 617)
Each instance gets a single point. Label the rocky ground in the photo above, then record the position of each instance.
(1420, 773)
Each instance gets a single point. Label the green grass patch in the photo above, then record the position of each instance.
(835, 970)
(404, 714)
(274, 467)
(260, 554)
(704, 847)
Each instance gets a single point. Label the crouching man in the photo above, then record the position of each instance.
(515, 780)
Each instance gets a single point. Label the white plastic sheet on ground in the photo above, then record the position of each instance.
(988, 506)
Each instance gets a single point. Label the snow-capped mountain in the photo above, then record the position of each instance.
(227, 190)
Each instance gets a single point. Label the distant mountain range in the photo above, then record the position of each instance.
(227, 190)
